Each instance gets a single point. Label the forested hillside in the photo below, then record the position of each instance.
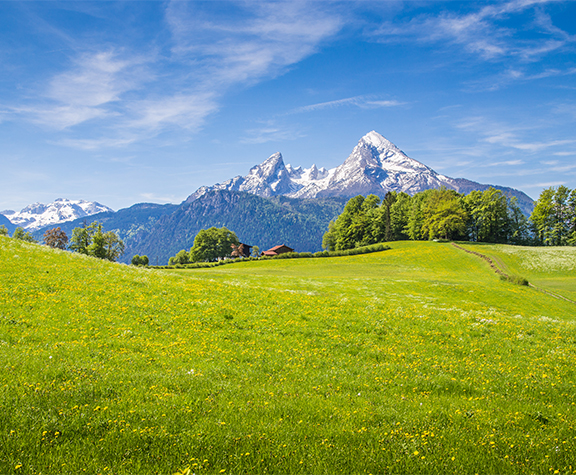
(262, 222)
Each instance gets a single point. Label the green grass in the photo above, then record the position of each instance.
(418, 359)
(549, 268)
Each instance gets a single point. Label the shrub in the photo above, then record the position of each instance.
(515, 279)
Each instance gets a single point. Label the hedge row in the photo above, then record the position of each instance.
(286, 255)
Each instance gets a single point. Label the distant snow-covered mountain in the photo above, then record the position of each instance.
(38, 215)
(375, 166)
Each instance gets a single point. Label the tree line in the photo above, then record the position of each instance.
(480, 216)
(554, 217)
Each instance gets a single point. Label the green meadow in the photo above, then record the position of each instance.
(551, 268)
(418, 359)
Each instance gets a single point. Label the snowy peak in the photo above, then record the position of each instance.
(38, 215)
(375, 166)
(379, 142)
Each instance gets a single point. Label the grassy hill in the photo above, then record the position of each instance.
(418, 359)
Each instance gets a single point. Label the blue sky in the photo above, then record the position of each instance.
(127, 102)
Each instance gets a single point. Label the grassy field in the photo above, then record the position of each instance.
(549, 268)
(418, 359)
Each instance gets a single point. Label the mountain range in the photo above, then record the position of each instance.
(375, 166)
(38, 215)
(274, 204)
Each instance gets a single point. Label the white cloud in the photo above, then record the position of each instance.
(547, 184)
(96, 144)
(155, 198)
(187, 111)
(60, 116)
(85, 92)
(504, 135)
(513, 75)
(484, 32)
(96, 79)
(269, 38)
(269, 134)
(130, 96)
(511, 140)
(363, 102)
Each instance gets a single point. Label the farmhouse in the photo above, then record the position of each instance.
(241, 250)
(276, 250)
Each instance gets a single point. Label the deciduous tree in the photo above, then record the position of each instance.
(140, 260)
(211, 244)
(56, 238)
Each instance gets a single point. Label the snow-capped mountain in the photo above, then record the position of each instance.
(38, 215)
(375, 166)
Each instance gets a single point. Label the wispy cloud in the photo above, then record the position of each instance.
(98, 143)
(129, 96)
(186, 111)
(91, 89)
(515, 75)
(506, 136)
(509, 139)
(546, 184)
(155, 198)
(270, 134)
(485, 32)
(261, 40)
(364, 102)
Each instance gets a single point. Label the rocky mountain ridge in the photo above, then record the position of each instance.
(375, 166)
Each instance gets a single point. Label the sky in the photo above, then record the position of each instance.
(145, 101)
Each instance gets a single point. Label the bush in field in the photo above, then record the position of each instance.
(182, 257)
(56, 238)
(140, 260)
(3, 230)
(515, 279)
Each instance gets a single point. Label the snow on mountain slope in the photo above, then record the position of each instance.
(375, 166)
(38, 215)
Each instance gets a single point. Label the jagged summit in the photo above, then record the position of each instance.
(375, 166)
(38, 215)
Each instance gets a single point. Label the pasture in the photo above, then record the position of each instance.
(418, 359)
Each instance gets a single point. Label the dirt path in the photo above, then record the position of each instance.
(494, 267)
(499, 271)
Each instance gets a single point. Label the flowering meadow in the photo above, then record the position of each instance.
(552, 268)
(418, 359)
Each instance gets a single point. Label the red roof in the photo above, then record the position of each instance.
(274, 251)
